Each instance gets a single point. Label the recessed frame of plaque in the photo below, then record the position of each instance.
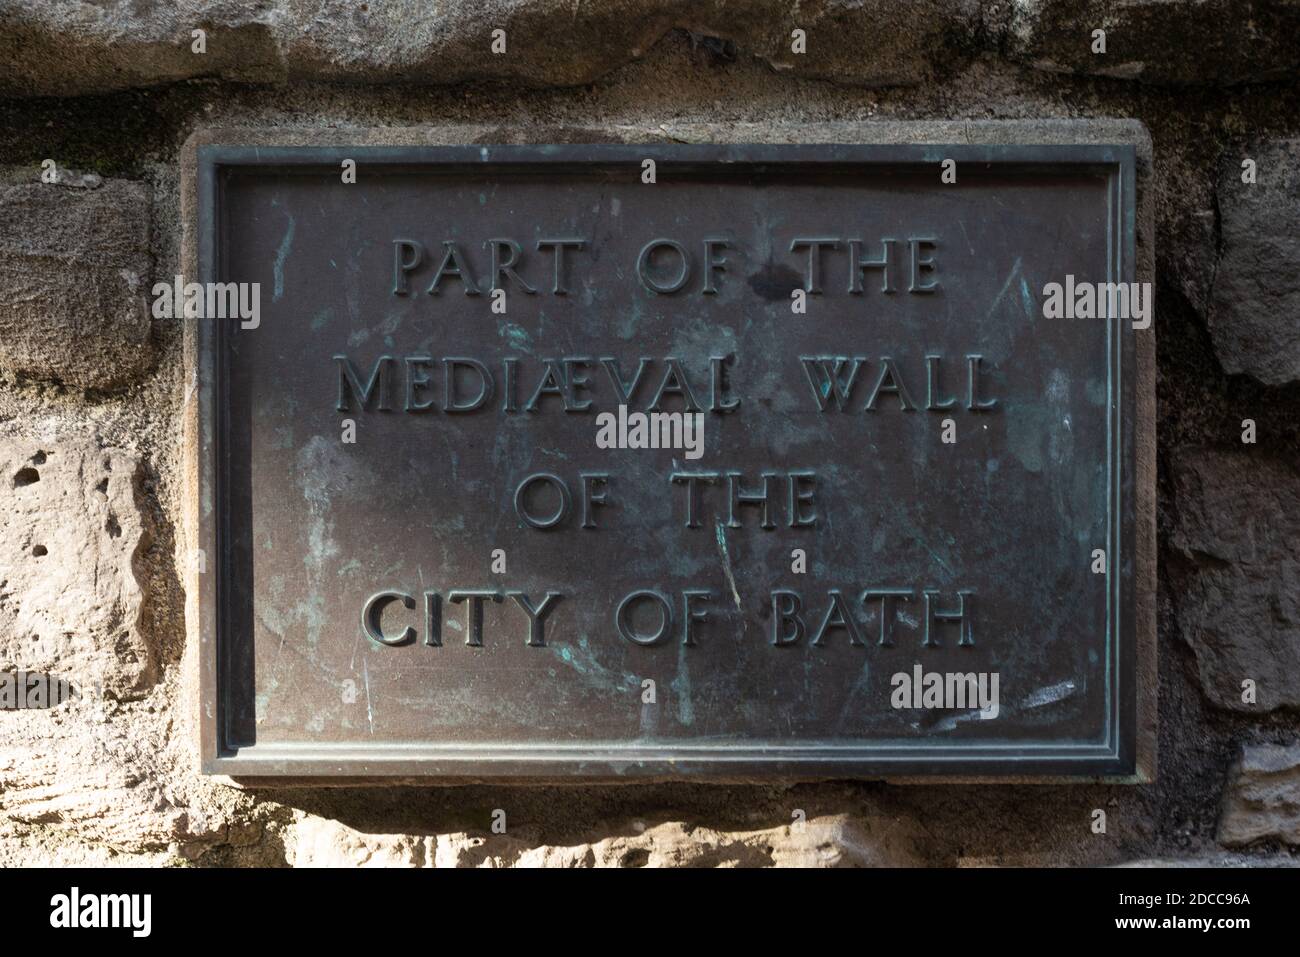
(300, 529)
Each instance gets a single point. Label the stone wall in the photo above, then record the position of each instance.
(92, 541)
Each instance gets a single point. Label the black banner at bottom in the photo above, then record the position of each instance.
(306, 907)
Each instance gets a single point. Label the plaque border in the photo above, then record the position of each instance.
(1127, 754)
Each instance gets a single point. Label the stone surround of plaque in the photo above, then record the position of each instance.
(772, 467)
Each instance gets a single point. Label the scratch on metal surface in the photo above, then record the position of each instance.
(281, 255)
(950, 722)
(1015, 269)
(933, 554)
(1049, 695)
(731, 577)
(1026, 299)
(370, 710)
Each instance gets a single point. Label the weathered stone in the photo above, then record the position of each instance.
(320, 842)
(1254, 310)
(829, 841)
(67, 47)
(108, 774)
(1174, 42)
(74, 274)
(1189, 256)
(1213, 860)
(1262, 801)
(112, 798)
(71, 533)
(74, 46)
(1237, 574)
(22, 846)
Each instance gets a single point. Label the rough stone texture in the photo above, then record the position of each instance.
(64, 47)
(1254, 311)
(98, 781)
(72, 46)
(1263, 797)
(74, 274)
(71, 533)
(22, 846)
(1216, 861)
(1237, 580)
(829, 841)
(1159, 41)
(114, 797)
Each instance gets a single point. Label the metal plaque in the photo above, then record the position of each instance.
(674, 461)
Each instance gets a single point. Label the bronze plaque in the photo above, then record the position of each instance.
(749, 461)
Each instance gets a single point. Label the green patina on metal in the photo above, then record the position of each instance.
(904, 470)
